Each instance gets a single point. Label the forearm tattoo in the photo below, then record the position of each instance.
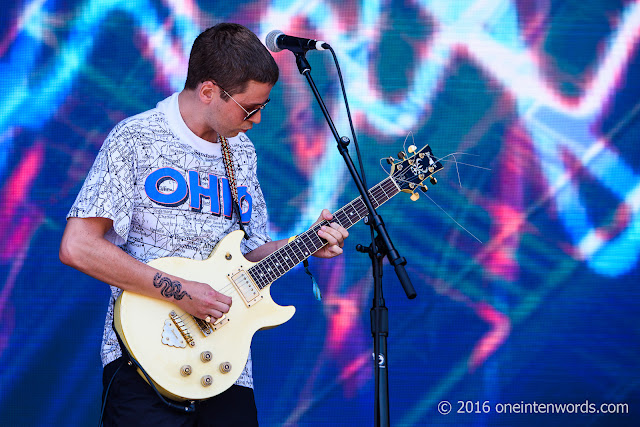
(170, 288)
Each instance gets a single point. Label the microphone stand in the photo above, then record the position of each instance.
(380, 247)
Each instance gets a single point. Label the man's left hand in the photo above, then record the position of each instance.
(334, 234)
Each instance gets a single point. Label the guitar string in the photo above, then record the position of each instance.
(444, 159)
(279, 259)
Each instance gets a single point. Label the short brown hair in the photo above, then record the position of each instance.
(230, 55)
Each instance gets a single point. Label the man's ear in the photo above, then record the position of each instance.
(207, 91)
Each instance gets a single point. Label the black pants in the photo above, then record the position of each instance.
(132, 402)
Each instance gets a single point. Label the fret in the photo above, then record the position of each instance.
(258, 276)
(341, 218)
(278, 263)
(307, 246)
(390, 188)
(348, 215)
(268, 266)
(381, 194)
(295, 251)
(313, 243)
(377, 193)
(361, 208)
(288, 260)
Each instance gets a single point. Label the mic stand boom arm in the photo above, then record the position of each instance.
(380, 247)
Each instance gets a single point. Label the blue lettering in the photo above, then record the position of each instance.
(197, 192)
(154, 181)
(243, 195)
(226, 197)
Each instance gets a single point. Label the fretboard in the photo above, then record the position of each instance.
(284, 259)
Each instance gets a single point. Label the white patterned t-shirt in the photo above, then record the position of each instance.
(167, 193)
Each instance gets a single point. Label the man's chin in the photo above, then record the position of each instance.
(235, 133)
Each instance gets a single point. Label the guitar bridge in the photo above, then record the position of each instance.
(208, 328)
(184, 331)
(205, 328)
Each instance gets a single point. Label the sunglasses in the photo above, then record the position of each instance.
(251, 113)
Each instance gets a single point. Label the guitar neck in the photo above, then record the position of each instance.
(284, 259)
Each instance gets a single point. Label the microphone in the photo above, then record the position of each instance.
(277, 40)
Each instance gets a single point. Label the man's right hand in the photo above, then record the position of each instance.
(204, 302)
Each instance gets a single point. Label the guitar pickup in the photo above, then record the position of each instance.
(246, 287)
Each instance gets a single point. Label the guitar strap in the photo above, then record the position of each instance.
(228, 165)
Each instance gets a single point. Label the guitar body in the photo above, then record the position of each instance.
(187, 358)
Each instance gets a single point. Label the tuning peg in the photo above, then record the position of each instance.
(390, 160)
(433, 180)
(412, 149)
(414, 197)
(401, 155)
(424, 188)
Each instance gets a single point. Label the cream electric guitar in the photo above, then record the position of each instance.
(190, 359)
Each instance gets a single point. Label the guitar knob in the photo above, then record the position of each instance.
(433, 180)
(225, 367)
(206, 381)
(414, 197)
(206, 356)
(185, 370)
(412, 149)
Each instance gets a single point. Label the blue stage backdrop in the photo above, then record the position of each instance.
(524, 255)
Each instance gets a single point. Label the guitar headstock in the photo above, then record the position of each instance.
(410, 171)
